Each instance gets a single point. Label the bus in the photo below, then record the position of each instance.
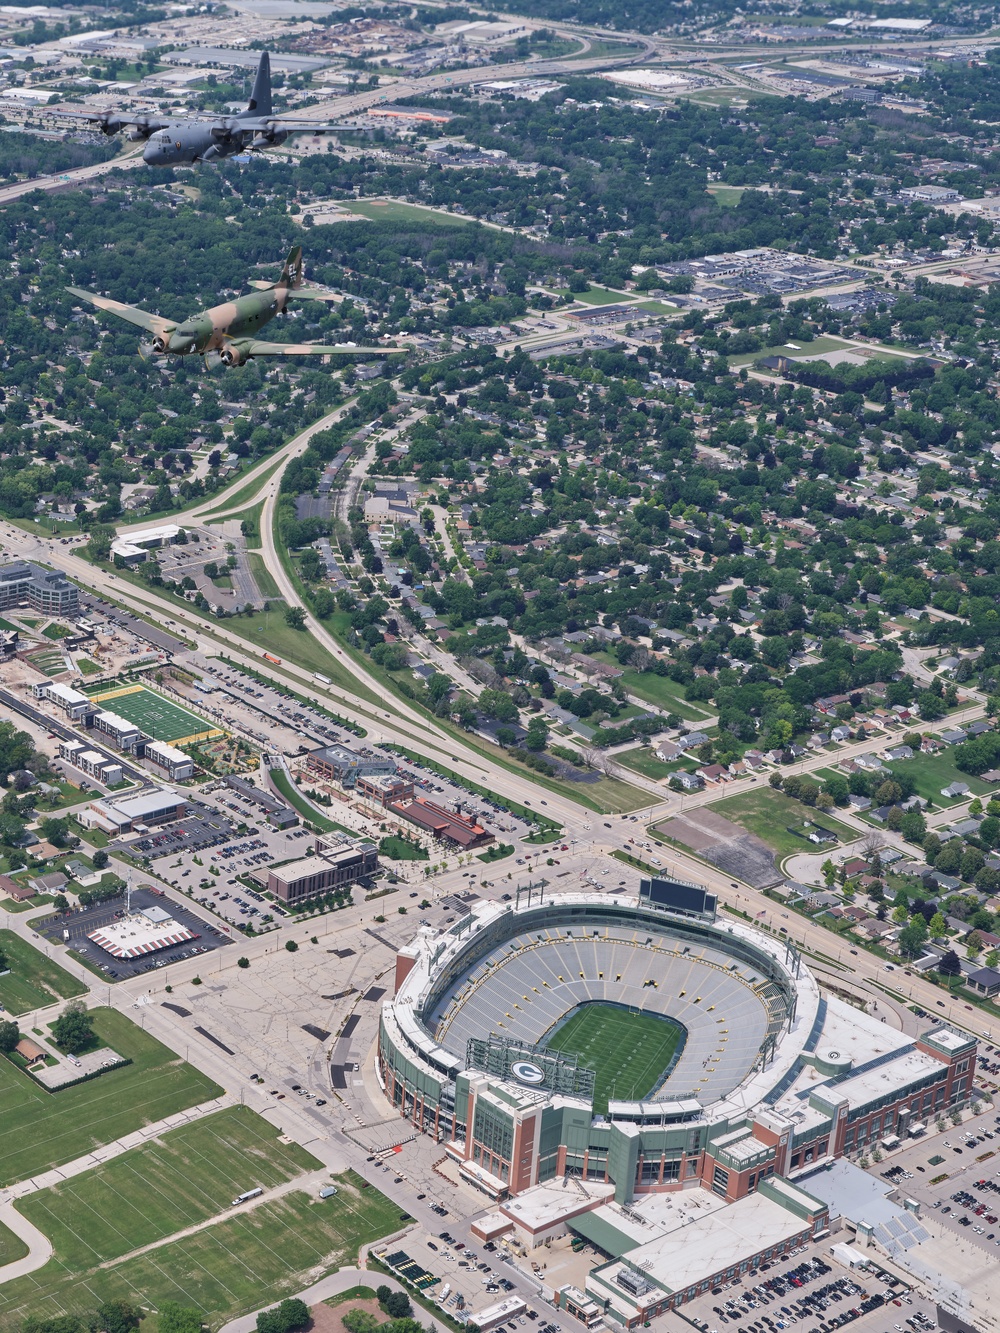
(323, 680)
(268, 658)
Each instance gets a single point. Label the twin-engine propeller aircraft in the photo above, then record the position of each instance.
(228, 332)
(204, 139)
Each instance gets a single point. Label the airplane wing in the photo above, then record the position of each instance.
(255, 348)
(110, 122)
(151, 323)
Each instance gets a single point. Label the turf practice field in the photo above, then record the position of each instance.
(629, 1051)
(158, 716)
(44, 1129)
(115, 1229)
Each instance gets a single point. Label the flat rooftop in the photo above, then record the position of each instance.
(135, 936)
(684, 1256)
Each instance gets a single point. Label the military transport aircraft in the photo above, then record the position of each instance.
(204, 139)
(227, 332)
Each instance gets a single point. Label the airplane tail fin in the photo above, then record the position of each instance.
(291, 273)
(260, 97)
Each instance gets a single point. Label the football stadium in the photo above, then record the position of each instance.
(581, 1057)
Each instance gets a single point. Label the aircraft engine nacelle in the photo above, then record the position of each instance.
(234, 354)
(160, 344)
(269, 137)
(109, 125)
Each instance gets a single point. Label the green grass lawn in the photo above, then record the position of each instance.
(43, 1129)
(497, 852)
(88, 668)
(602, 296)
(768, 814)
(643, 760)
(931, 772)
(187, 1176)
(249, 1259)
(295, 798)
(816, 348)
(34, 981)
(628, 1050)
(727, 195)
(57, 631)
(12, 1247)
(398, 849)
(262, 576)
(396, 210)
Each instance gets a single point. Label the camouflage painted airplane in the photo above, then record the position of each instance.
(227, 332)
(195, 139)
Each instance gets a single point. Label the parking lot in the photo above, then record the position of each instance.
(813, 1293)
(215, 881)
(196, 832)
(82, 922)
(935, 1170)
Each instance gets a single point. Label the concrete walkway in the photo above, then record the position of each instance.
(332, 1285)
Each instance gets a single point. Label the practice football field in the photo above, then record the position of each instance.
(628, 1050)
(159, 717)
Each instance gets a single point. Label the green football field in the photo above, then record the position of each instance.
(628, 1050)
(159, 717)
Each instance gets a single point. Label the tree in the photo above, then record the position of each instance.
(973, 944)
(291, 946)
(913, 937)
(950, 964)
(243, 962)
(74, 1028)
(61, 903)
(397, 1305)
(100, 859)
(55, 831)
(900, 915)
(10, 1035)
(295, 617)
(119, 1317)
(177, 1318)
(291, 1314)
(937, 926)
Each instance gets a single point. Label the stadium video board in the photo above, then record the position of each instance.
(677, 896)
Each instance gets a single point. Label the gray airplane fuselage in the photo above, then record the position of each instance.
(192, 141)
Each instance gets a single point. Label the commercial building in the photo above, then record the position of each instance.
(384, 788)
(126, 735)
(279, 815)
(25, 584)
(332, 866)
(74, 704)
(121, 815)
(446, 825)
(168, 761)
(768, 1081)
(338, 763)
(141, 933)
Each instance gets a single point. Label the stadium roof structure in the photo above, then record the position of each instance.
(141, 933)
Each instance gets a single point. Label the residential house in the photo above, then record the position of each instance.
(955, 789)
(690, 781)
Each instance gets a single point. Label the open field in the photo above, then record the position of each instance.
(931, 772)
(247, 1260)
(12, 1247)
(628, 1050)
(393, 210)
(643, 760)
(296, 799)
(660, 691)
(160, 717)
(262, 576)
(768, 814)
(43, 1129)
(603, 296)
(187, 1176)
(726, 195)
(35, 981)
